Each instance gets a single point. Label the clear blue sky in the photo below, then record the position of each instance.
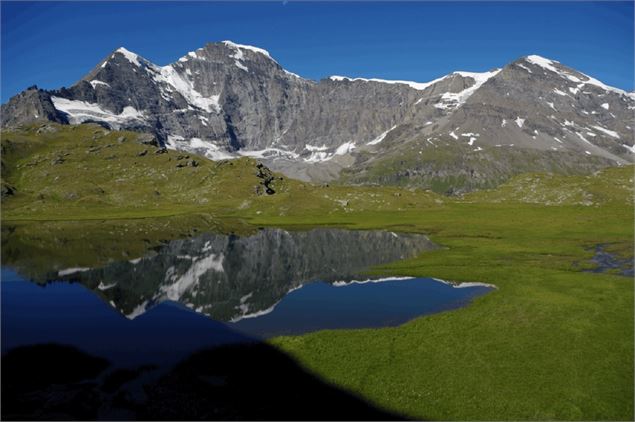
(55, 44)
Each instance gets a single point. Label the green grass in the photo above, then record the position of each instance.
(552, 342)
(103, 178)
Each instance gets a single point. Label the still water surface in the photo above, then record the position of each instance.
(216, 289)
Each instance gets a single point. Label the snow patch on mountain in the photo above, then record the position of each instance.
(542, 62)
(631, 148)
(524, 67)
(170, 76)
(269, 153)
(215, 152)
(550, 65)
(317, 153)
(95, 83)
(520, 122)
(132, 57)
(317, 156)
(81, 111)
(345, 148)
(198, 146)
(314, 148)
(452, 100)
(241, 66)
(380, 137)
(607, 131)
(420, 86)
(592, 81)
(472, 137)
(188, 56)
(239, 47)
(583, 138)
(294, 75)
(238, 56)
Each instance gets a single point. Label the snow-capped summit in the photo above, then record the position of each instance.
(247, 47)
(572, 75)
(132, 57)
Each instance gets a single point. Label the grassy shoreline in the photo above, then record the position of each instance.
(551, 343)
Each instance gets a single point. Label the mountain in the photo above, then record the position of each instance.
(459, 132)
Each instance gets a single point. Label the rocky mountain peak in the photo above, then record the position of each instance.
(133, 58)
(249, 49)
(227, 100)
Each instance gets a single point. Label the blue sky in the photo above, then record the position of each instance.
(55, 44)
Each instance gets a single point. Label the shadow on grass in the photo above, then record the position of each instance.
(238, 382)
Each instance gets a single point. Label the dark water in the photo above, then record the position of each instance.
(321, 305)
(605, 261)
(69, 313)
(216, 289)
(176, 333)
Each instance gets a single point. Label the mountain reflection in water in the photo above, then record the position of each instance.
(230, 277)
(216, 290)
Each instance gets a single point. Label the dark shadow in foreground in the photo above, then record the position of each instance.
(238, 382)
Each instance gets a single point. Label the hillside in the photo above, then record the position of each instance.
(85, 171)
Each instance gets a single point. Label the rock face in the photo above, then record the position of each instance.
(226, 100)
(32, 105)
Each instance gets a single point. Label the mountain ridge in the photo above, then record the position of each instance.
(226, 100)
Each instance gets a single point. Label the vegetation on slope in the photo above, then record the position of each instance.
(611, 186)
(87, 172)
(451, 167)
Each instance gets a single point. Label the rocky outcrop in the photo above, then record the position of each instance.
(30, 106)
(267, 178)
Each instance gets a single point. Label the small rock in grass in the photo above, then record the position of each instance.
(7, 190)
